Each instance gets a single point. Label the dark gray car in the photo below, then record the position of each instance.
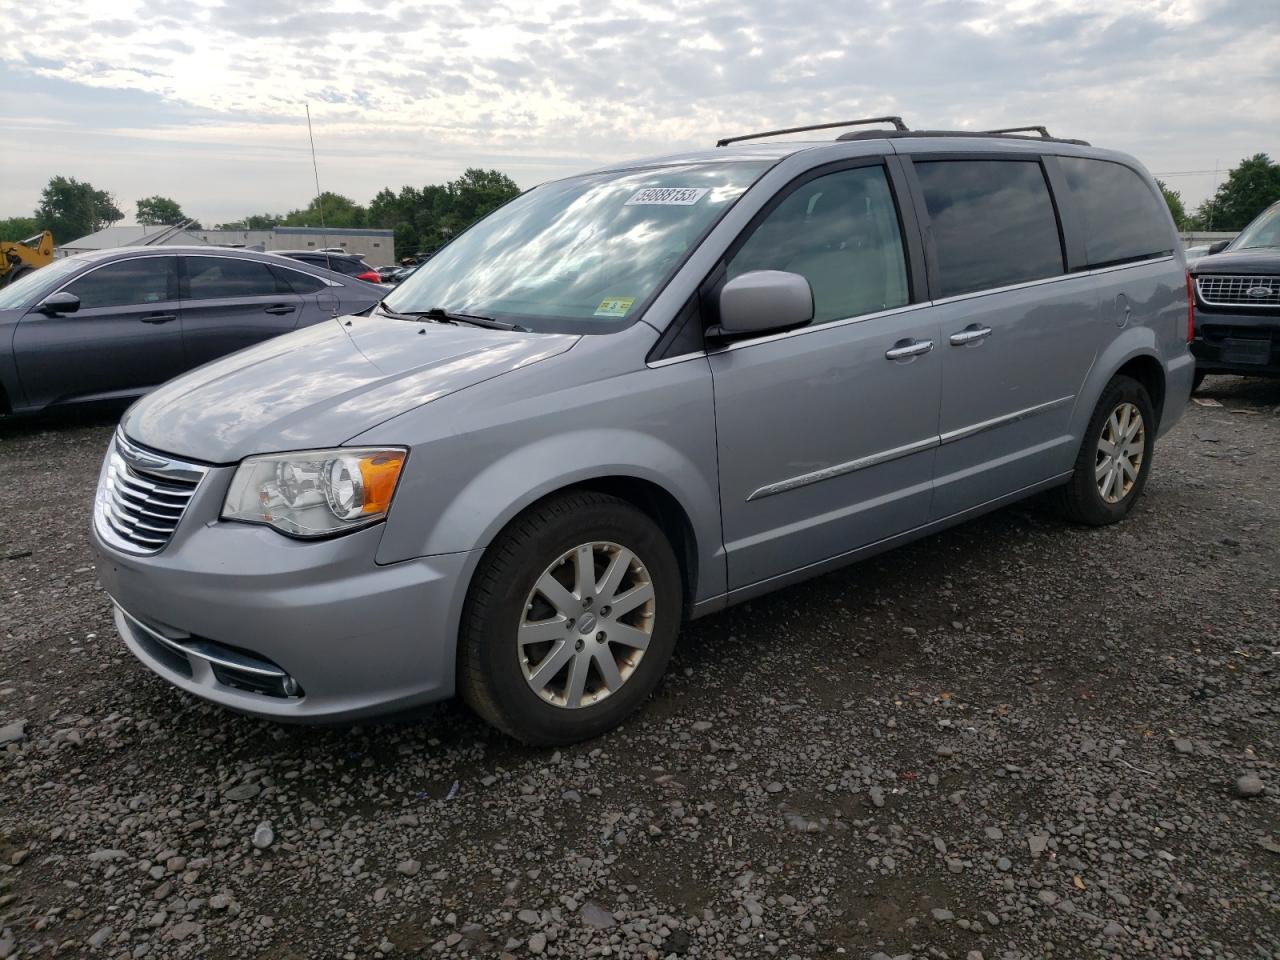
(640, 395)
(114, 324)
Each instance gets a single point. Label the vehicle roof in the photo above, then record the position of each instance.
(270, 256)
(320, 253)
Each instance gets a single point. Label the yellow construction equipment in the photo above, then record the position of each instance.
(18, 257)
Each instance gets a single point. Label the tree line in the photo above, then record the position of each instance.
(1250, 187)
(422, 218)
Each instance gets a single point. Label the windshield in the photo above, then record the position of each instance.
(1264, 231)
(30, 287)
(582, 255)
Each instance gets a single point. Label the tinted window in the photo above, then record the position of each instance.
(211, 277)
(1122, 217)
(993, 223)
(840, 232)
(298, 281)
(126, 282)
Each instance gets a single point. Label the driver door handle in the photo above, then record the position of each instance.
(159, 317)
(906, 349)
(281, 308)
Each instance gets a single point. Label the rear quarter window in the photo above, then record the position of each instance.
(1122, 218)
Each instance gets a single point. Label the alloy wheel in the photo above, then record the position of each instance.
(1121, 448)
(586, 624)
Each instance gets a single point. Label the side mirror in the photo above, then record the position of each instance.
(1219, 246)
(57, 304)
(763, 301)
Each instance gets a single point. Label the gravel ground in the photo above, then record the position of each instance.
(1018, 739)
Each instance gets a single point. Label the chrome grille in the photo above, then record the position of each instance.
(1239, 291)
(142, 496)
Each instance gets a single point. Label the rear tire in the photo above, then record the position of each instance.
(533, 620)
(1197, 380)
(1115, 456)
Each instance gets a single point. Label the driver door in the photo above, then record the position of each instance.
(124, 339)
(827, 433)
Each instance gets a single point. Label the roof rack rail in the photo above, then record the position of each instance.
(1038, 128)
(896, 121)
(1011, 133)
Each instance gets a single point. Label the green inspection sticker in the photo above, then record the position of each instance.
(614, 307)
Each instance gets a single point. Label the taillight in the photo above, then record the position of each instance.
(370, 276)
(1191, 309)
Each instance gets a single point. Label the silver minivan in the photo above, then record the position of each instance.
(637, 396)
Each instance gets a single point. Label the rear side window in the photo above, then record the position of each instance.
(1122, 217)
(298, 281)
(993, 223)
(127, 282)
(840, 232)
(210, 278)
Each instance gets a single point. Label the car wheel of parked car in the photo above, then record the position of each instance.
(570, 620)
(1115, 457)
(1197, 380)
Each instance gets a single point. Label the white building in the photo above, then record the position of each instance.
(377, 247)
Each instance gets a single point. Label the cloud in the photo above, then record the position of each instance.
(549, 86)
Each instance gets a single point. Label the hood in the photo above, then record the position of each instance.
(322, 385)
(1253, 260)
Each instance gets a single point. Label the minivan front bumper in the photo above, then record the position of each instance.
(252, 620)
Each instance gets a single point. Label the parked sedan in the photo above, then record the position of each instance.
(348, 264)
(114, 324)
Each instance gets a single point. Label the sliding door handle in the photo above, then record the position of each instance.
(159, 317)
(906, 349)
(970, 334)
(281, 308)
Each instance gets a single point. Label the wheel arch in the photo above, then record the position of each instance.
(1133, 353)
(1149, 372)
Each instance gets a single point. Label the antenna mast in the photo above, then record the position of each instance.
(319, 197)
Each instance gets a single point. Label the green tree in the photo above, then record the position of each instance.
(157, 210)
(18, 228)
(1174, 199)
(1249, 189)
(330, 210)
(255, 221)
(72, 209)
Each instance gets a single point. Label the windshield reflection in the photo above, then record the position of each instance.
(579, 255)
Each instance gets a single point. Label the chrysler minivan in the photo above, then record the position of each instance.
(637, 396)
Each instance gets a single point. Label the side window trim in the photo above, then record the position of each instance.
(909, 238)
(930, 245)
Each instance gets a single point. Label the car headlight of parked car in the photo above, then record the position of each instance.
(315, 493)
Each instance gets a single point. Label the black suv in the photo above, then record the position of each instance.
(1237, 289)
(348, 264)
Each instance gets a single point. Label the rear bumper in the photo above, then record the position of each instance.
(1243, 343)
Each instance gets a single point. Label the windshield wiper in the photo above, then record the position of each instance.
(441, 315)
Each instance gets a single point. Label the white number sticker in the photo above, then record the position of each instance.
(667, 196)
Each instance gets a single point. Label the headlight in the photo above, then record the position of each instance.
(316, 493)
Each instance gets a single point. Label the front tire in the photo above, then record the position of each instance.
(1115, 457)
(570, 620)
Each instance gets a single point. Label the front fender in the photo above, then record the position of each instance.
(479, 460)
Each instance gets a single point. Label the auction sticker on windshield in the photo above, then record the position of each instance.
(667, 196)
(614, 307)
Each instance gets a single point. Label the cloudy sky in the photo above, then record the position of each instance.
(203, 100)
